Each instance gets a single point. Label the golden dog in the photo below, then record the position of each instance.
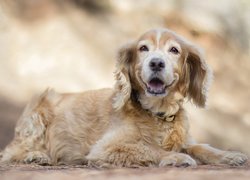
(140, 122)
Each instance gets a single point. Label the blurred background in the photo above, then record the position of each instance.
(70, 45)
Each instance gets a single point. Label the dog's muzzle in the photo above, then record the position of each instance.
(156, 84)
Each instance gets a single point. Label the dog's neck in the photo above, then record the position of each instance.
(159, 106)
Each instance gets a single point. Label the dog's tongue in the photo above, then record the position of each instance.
(156, 86)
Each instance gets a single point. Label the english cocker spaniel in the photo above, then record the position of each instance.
(140, 122)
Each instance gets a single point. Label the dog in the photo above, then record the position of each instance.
(140, 122)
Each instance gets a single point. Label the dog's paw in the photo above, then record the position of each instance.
(100, 164)
(38, 158)
(234, 158)
(178, 160)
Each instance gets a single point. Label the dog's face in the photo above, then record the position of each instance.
(158, 56)
(160, 62)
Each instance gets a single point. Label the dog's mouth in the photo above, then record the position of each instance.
(156, 86)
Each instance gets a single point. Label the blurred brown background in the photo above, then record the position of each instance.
(70, 45)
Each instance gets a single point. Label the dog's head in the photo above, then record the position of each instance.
(158, 63)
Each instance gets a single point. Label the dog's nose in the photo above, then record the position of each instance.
(156, 64)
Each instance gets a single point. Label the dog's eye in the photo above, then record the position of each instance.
(174, 50)
(143, 48)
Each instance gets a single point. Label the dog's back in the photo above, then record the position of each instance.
(62, 126)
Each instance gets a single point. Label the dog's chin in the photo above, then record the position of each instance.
(157, 87)
(159, 95)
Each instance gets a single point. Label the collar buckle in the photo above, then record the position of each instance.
(162, 115)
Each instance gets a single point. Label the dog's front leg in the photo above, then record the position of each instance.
(209, 155)
(136, 155)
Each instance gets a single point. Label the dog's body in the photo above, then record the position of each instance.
(140, 122)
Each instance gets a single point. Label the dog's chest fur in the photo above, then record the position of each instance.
(164, 129)
(171, 136)
(171, 131)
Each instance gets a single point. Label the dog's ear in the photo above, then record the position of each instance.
(123, 85)
(200, 76)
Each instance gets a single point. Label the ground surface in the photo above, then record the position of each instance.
(71, 48)
(203, 172)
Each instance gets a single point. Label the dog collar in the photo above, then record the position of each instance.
(159, 115)
(163, 116)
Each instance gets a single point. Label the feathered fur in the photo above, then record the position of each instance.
(123, 126)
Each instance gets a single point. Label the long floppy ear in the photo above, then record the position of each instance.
(123, 84)
(200, 76)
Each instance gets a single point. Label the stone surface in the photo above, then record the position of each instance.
(205, 172)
